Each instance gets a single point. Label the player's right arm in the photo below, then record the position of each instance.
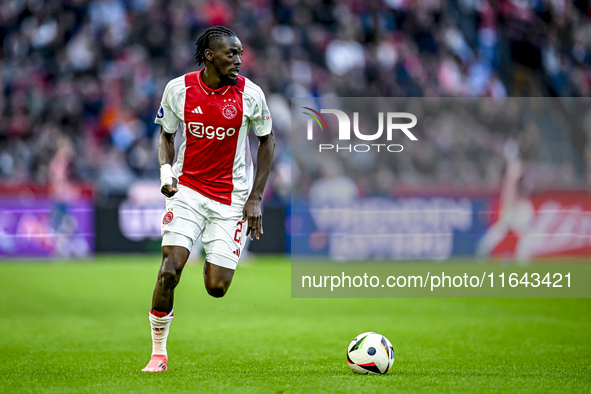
(169, 121)
(165, 158)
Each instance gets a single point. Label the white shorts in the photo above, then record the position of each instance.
(190, 215)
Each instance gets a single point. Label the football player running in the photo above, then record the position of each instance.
(210, 189)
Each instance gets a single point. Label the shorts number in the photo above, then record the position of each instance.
(238, 233)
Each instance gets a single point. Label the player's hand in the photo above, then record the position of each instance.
(253, 215)
(170, 190)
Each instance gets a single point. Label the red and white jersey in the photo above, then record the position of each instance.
(214, 158)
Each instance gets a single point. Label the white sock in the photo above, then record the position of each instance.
(160, 327)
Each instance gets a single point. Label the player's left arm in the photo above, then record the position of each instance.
(252, 209)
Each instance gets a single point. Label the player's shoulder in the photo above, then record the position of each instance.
(175, 86)
(252, 90)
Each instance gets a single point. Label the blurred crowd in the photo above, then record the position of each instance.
(82, 79)
(463, 144)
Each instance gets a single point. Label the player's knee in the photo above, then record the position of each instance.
(216, 289)
(217, 279)
(217, 292)
(169, 275)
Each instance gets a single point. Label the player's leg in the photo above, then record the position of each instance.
(523, 225)
(174, 259)
(181, 225)
(495, 233)
(223, 242)
(217, 279)
(493, 236)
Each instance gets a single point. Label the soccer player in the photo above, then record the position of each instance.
(516, 211)
(210, 192)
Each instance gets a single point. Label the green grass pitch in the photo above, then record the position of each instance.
(82, 326)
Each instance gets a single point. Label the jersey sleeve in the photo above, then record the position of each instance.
(261, 120)
(166, 116)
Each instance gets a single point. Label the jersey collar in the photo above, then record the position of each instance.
(221, 91)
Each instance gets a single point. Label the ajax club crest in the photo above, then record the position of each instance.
(229, 111)
(167, 218)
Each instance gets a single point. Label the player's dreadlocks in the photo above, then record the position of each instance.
(208, 38)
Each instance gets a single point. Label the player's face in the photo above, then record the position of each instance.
(227, 56)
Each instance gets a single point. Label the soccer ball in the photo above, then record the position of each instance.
(370, 352)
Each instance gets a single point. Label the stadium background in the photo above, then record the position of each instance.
(82, 80)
